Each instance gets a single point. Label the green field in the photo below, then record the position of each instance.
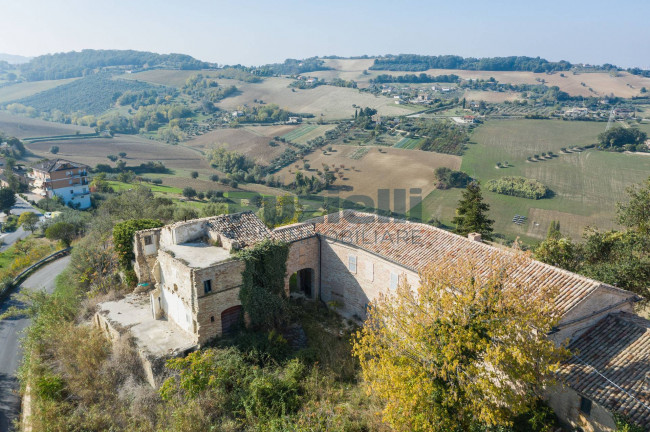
(408, 143)
(586, 185)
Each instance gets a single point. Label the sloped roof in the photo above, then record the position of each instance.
(244, 227)
(57, 165)
(294, 232)
(611, 366)
(416, 245)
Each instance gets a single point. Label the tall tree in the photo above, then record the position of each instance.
(29, 220)
(471, 214)
(467, 347)
(636, 213)
(7, 199)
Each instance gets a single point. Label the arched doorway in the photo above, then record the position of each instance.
(230, 320)
(302, 282)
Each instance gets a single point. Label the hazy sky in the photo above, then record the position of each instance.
(257, 32)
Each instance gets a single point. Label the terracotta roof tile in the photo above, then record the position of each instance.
(416, 245)
(244, 227)
(294, 232)
(611, 366)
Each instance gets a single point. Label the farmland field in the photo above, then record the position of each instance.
(623, 85)
(138, 150)
(172, 78)
(408, 143)
(326, 102)
(23, 127)
(368, 169)
(252, 141)
(25, 89)
(586, 184)
(306, 133)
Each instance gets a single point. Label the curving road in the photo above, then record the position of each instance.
(10, 334)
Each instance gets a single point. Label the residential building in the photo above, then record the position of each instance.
(349, 258)
(62, 178)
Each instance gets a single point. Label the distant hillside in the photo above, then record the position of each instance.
(90, 95)
(292, 67)
(76, 64)
(14, 59)
(414, 62)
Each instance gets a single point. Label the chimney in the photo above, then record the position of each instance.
(475, 237)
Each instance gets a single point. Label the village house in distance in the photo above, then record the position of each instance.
(190, 283)
(62, 178)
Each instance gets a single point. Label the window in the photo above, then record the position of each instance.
(212, 318)
(207, 286)
(370, 271)
(585, 406)
(352, 263)
(148, 240)
(394, 279)
(71, 191)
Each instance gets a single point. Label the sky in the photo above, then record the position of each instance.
(253, 32)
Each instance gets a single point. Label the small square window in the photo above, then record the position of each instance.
(585, 406)
(148, 240)
(212, 318)
(207, 286)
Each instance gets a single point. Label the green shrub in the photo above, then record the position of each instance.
(123, 233)
(519, 187)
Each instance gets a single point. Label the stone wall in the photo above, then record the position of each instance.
(354, 289)
(566, 404)
(304, 254)
(145, 255)
(177, 293)
(226, 280)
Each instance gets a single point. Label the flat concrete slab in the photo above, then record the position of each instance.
(157, 337)
(199, 255)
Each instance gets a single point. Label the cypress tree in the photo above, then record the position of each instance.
(471, 214)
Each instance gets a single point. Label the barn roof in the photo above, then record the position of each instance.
(611, 366)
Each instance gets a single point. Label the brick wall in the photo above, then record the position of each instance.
(304, 254)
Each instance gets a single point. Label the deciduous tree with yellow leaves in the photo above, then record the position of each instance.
(466, 347)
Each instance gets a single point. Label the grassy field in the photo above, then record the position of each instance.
(586, 184)
(306, 133)
(26, 89)
(376, 168)
(172, 78)
(408, 143)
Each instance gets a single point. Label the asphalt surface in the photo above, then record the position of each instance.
(10, 333)
(21, 206)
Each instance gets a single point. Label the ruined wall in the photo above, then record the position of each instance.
(226, 280)
(355, 289)
(178, 300)
(145, 255)
(304, 254)
(591, 310)
(566, 404)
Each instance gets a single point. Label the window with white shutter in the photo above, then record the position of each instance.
(352, 263)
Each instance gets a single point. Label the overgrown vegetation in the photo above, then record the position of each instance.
(518, 186)
(448, 178)
(262, 292)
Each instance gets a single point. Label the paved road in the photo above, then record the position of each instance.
(21, 206)
(10, 334)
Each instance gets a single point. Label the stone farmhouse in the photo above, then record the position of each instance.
(189, 285)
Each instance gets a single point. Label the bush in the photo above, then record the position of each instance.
(448, 178)
(519, 187)
(123, 233)
(189, 192)
(62, 231)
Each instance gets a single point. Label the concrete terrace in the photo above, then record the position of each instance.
(198, 254)
(157, 337)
